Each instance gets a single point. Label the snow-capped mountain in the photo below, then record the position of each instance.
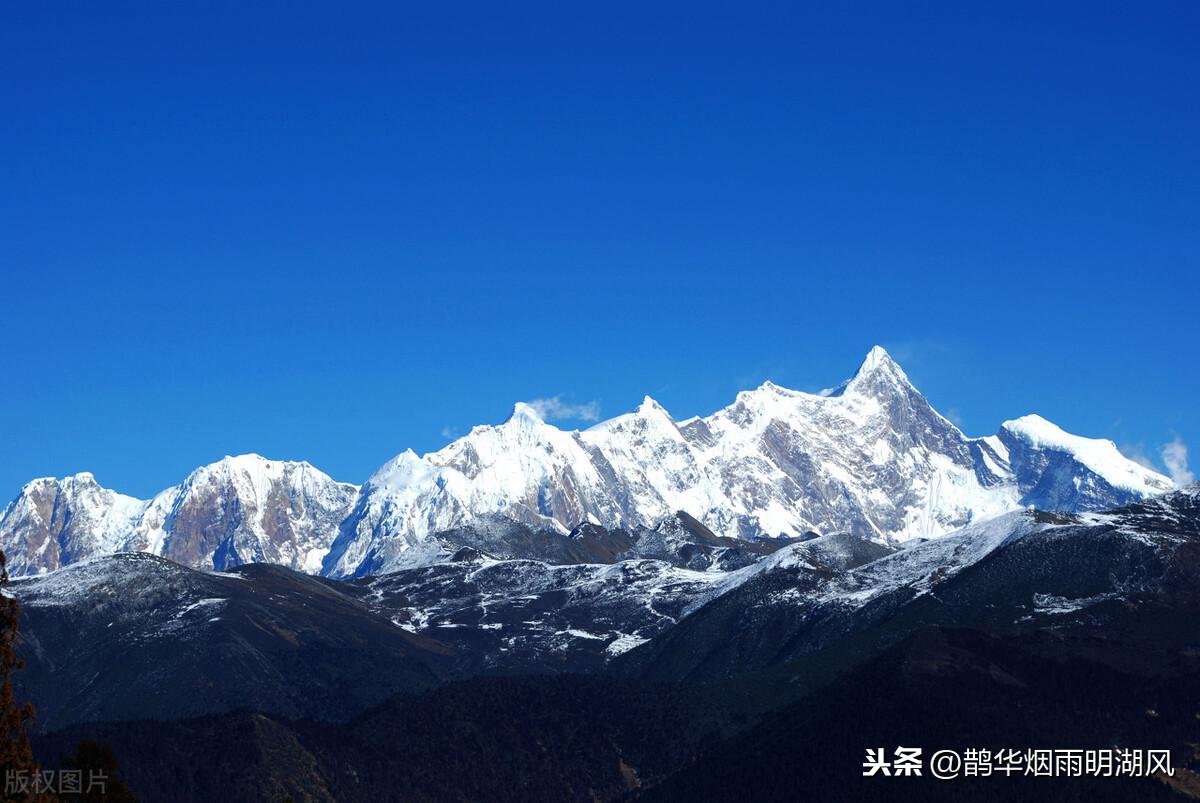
(870, 457)
(1060, 471)
(238, 510)
(57, 522)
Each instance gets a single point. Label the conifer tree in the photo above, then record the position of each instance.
(18, 770)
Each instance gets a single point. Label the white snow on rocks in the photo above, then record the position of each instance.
(870, 457)
(1100, 456)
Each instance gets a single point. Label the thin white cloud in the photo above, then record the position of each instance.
(449, 432)
(1174, 455)
(555, 409)
(1137, 453)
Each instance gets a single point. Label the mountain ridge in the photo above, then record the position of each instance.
(870, 456)
(237, 510)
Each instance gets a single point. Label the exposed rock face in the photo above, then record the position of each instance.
(239, 510)
(249, 510)
(57, 522)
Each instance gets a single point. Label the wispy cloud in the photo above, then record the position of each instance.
(1137, 453)
(449, 432)
(1174, 455)
(555, 409)
(954, 417)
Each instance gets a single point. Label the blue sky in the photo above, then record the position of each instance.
(331, 231)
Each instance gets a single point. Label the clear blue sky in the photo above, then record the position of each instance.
(333, 231)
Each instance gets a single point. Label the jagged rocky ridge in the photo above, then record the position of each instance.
(870, 457)
(238, 510)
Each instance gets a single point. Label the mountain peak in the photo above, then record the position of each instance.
(1099, 455)
(878, 372)
(230, 466)
(1033, 423)
(767, 390)
(523, 412)
(68, 482)
(878, 360)
(876, 357)
(649, 406)
(242, 460)
(401, 471)
(1043, 432)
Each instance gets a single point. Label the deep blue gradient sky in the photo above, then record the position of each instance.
(329, 233)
